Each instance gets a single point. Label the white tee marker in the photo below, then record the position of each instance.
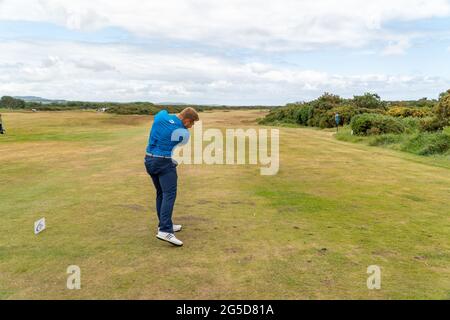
(39, 226)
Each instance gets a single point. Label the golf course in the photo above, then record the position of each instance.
(310, 232)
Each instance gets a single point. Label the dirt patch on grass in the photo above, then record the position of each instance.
(132, 207)
(203, 202)
(412, 197)
(231, 250)
(128, 120)
(192, 218)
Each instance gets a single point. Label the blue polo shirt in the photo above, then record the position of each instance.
(337, 118)
(160, 140)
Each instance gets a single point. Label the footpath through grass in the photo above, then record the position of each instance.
(310, 232)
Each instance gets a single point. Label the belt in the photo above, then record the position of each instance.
(156, 156)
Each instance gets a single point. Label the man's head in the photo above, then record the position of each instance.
(188, 116)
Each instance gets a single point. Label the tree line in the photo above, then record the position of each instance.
(8, 102)
(321, 111)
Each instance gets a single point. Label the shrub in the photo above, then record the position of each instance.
(370, 123)
(443, 107)
(386, 139)
(322, 114)
(426, 143)
(409, 112)
(303, 114)
(285, 114)
(326, 120)
(134, 109)
(443, 94)
(411, 124)
(365, 110)
(8, 102)
(347, 112)
(432, 124)
(374, 131)
(327, 101)
(369, 101)
(425, 103)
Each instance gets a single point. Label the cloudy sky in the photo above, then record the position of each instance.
(237, 52)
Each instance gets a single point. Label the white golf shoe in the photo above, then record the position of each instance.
(169, 237)
(176, 227)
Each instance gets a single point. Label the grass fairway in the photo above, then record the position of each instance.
(310, 232)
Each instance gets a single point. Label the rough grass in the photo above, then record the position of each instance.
(435, 145)
(308, 233)
(428, 144)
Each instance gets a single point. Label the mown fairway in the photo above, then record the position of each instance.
(308, 233)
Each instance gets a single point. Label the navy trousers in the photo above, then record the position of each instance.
(164, 176)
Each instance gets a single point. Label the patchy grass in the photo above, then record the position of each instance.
(308, 233)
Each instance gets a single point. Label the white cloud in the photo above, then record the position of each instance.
(123, 72)
(81, 71)
(397, 48)
(256, 24)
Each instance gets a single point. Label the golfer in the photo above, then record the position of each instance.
(337, 119)
(168, 131)
(2, 131)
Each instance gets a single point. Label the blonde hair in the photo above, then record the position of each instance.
(189, 113)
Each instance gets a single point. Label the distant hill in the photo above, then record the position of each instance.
(46, 101)
(186, 104)
(39, 99)
(171, 103)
